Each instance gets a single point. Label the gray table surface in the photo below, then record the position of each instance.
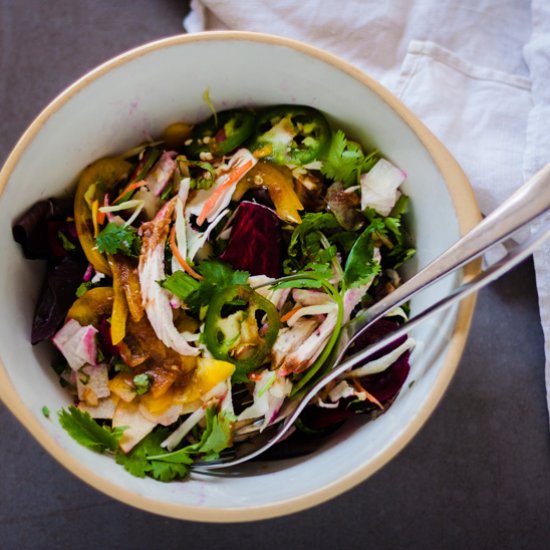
(476, 476)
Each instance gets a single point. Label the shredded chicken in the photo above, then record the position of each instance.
(290, 339)
(304, 356)
(156, 300)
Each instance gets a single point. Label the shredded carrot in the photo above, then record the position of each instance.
(368, 395)
(95, 212)
(289, 314)
(232, 177)
(130, 187)
(101, 215)
(181, 260)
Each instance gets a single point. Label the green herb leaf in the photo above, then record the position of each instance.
(217, 275)
(321, 221)
(361, 266)
(84, 429)
(219, 437)
(83, 288)
(164, 466)
(168, 471)
(46, 411)
(115, 239)
(142, 382)
(138, 463)
(120, 366)
(67, 245)
(344, 160)
(388, 233)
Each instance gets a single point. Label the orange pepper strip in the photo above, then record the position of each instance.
(101, 217)
(130, 187)
(232, 177)
(181, 260)
(119, 314)
(289, 314)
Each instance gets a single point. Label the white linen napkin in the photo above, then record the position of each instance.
(476, 72)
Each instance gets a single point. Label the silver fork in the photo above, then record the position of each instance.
(529, 202)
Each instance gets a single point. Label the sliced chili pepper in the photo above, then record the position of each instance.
(291, 134)
(234, 127)
(245, 346)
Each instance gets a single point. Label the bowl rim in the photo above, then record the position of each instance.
(467, 213)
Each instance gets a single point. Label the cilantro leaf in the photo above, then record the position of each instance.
(219, 436)
(389, 233)
(302, 240)
(167, 471)
(138, 462)
(142, 383)
(343, 159)
(361, 266)
(217, 275)
(148, 458)
(84, 429)
(221, 274)
(115, 239)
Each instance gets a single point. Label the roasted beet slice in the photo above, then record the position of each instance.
(386, 385)
(379, 330)
(255, 241)
(57, 295)
(32, 230)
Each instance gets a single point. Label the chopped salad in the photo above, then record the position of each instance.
(197, 283)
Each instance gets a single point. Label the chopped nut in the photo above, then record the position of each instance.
(206, 139)
(206, 155)
(188, 142)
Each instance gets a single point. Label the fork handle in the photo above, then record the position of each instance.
(528, 202)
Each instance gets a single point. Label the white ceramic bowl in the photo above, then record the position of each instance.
(136, 95)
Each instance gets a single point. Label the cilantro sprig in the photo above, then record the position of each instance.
(86, 431)
(118, 239)
(148, 458)
(216, 274)
(345, 160)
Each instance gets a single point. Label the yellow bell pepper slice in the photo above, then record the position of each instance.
(120, 306)
(280, 186)
(92, 305)
(208, 374)
(95, 180)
